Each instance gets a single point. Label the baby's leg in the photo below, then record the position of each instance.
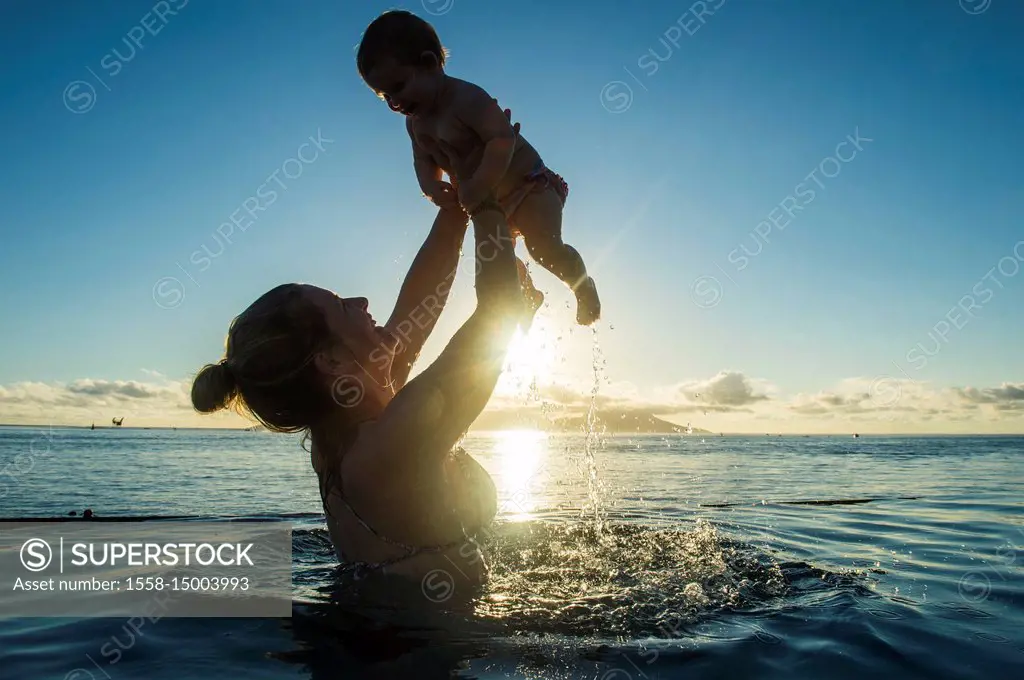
(539, 219)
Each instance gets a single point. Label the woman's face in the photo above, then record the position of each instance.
(365, 349)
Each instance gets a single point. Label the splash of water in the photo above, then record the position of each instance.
(533, 394)
(591, 443)
(565, 578)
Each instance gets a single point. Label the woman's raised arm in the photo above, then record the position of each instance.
(425, 290)
(428, 416)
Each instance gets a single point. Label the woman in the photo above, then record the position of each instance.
(398, 499)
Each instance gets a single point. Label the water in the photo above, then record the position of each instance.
(592, 432)
(768, 557)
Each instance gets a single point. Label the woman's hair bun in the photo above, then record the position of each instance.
(214, 388)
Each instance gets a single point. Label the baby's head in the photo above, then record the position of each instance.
(401, 58)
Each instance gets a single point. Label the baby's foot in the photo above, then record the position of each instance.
(588, 305)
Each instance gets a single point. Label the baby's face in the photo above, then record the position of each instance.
(406, 89)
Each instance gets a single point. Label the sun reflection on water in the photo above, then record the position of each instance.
(522, 456)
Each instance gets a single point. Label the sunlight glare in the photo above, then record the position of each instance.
(521, 454)
(530, 360)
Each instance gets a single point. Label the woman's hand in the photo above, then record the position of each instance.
(442, 194)
(508, 114)
(471, 195)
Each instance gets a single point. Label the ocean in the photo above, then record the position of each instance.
(614, 558)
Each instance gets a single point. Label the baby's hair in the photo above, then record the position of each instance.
(401, 35)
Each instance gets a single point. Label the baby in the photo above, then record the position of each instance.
(457, 128)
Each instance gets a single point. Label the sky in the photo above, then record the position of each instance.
(801, 216)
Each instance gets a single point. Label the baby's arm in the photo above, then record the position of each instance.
(481, 113)
(429, 173)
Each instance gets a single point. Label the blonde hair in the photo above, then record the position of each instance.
(267, 372)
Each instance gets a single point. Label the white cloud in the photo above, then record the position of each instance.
(727, 401)
(727, 390)
(732, 401)
(88, 400)
(1007, 397)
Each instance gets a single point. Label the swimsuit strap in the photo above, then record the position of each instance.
(411, 550)
(363, 523)
(361, 569)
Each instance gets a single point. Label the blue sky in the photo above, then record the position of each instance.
(738, 108)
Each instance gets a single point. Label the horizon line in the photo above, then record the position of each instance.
(704, 434)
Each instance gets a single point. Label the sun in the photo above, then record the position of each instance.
(521, 456)
(530, 361)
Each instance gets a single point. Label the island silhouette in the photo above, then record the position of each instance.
(609, 421)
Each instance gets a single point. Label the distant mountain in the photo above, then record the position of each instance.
(625, 422)
(612, 422)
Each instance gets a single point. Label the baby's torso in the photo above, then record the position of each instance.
(452, 144)
(449, 141)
